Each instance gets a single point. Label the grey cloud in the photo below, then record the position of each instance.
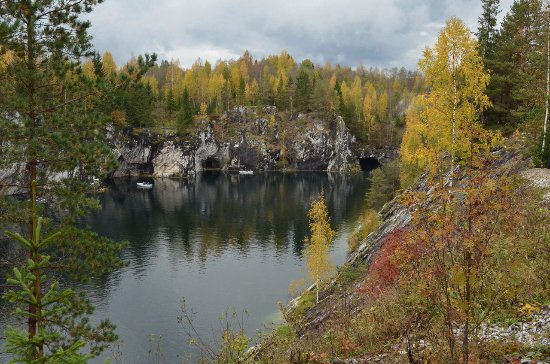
(376, 33)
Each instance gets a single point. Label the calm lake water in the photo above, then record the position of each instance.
(221, 242)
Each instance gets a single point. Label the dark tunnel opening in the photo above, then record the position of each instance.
(211, 163)
(369, 164)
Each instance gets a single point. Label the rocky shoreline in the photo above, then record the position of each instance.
(318, 143)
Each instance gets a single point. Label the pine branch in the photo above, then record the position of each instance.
(63, 8)
(53, 108)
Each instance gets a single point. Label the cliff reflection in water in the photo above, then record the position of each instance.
(218, 211)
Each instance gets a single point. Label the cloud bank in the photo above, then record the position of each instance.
(382, 33)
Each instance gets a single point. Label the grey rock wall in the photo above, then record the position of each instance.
(327, 145)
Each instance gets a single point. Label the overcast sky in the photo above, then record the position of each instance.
(383, 33)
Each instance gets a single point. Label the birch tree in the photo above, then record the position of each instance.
(456, 83)
(318, 245)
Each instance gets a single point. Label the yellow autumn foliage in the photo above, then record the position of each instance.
(445, 120)
(318, 245)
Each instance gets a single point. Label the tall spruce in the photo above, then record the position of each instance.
(510, 48)
(170, 102)
(487, 33)
(487, 29)
(303, 90)
(185, 115)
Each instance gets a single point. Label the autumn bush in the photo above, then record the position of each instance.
(384, 271)
(470, 256)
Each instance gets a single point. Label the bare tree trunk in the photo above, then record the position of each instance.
(32, 163)
(317, 290)
(37, 272)
(450, 334)
(468, 299)
(455, 102)
(545, 128)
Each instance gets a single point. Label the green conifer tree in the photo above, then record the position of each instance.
(185, 115)
(303, 90)
(487, 29)
(52, 129)
(170, 102)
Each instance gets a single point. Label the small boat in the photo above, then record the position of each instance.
(246, 172)
(144, 185)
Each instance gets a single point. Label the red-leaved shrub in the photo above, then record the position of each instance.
(384, 270)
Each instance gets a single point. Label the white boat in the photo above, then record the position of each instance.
(246, 172)
(144, 185)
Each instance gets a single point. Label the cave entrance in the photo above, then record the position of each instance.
(369, 164)
(211, 163)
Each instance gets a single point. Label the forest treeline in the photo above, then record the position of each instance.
(372, 101)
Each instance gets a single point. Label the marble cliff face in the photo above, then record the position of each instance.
(242, 139)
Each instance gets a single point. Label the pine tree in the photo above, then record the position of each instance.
(519, 86)
(137, 101)
(519, 65)
(62, 330)
(510, 48)
(52, 125)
